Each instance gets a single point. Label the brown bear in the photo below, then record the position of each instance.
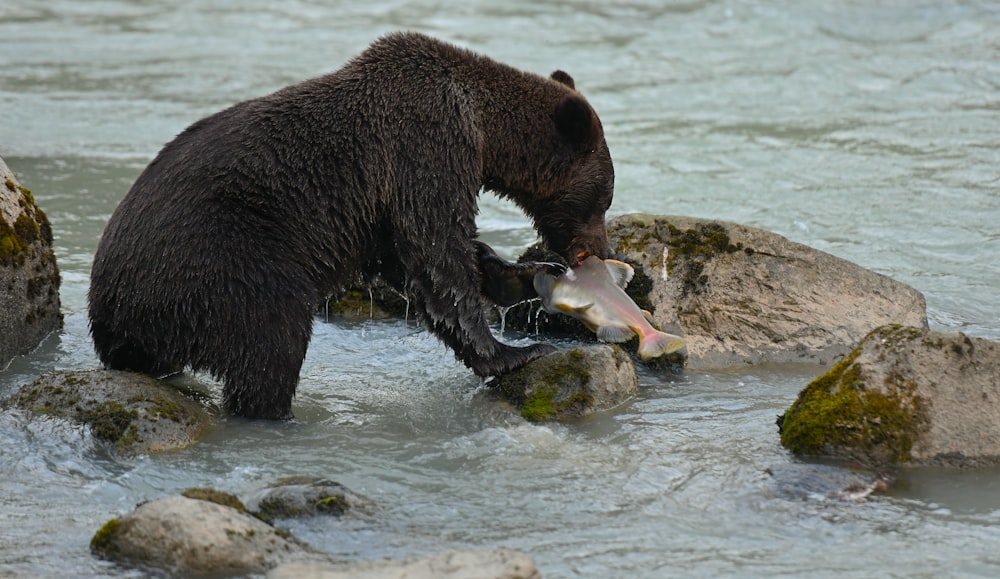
(220, 253)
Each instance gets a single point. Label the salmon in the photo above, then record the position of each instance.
(594, 294)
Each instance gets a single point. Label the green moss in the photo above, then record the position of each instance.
(544, 403)
(693, 248)
(538, 406)
(217, 497)
(12, 247)
(333, 504)
(112, 422)
(838, 415)
(30, 226)
(159, 407)
(103, 542)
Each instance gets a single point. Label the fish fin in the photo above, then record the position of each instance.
(544, 284)
(614, 334)
(648, 315)
(659, 344)
(621, 273)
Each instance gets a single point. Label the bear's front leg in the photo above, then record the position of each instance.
(506, 283)
(449, 299)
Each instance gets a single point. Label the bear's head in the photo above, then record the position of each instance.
(557, 167)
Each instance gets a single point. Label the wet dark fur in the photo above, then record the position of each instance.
(219, 254)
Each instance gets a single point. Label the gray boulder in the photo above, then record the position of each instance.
(29, 278)
(741, 295)
(187, 536)
(906, 396)
(570, 384)
(479, 564)
(131, 413)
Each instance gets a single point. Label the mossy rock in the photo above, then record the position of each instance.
(741, 295)
(569, 384)
(905, 396)
(130, 413)
(366, 300)
(185, 537)
(29, 276)
(838, 415)
(304, 496)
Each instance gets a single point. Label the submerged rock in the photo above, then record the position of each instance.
(741, 295)
(905, 395)
(570, 384)
(190, 536)
(29, 277)
(307, 496)
(133, 413)
(480, 564)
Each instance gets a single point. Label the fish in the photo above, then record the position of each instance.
(593, 293)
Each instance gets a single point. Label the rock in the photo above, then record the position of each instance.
(479, 564)
(741, 295)
(570, 384)
(186, 536)
(366, 300)
(132, 413)
(29, 277)
(907, 396)
(308, 496)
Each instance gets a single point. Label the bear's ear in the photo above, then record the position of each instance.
(575, 121)
(563, 77)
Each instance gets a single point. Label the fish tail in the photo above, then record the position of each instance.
(659, 344)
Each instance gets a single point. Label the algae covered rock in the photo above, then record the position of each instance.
(907, 396)
(741, 295)
(190, 536)
(474, 564)
(29, 278)
(307, 496)
(132, 413)
(570, 384)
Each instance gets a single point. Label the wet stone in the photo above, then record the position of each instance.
(128, 412)
(29, 277)
(569, 384)
(904, 396)
(304, 496)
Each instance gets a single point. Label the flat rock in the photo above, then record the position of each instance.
(132, 413)
(186, 537)
(741, 295)
(904, 396)
(478, 564)
(29, 277)
(570, 384)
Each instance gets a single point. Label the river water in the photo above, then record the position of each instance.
(869, 130)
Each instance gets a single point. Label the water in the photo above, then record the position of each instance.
(868, 130)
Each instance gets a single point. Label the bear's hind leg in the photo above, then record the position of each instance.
(263, 372)
(123, 354)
